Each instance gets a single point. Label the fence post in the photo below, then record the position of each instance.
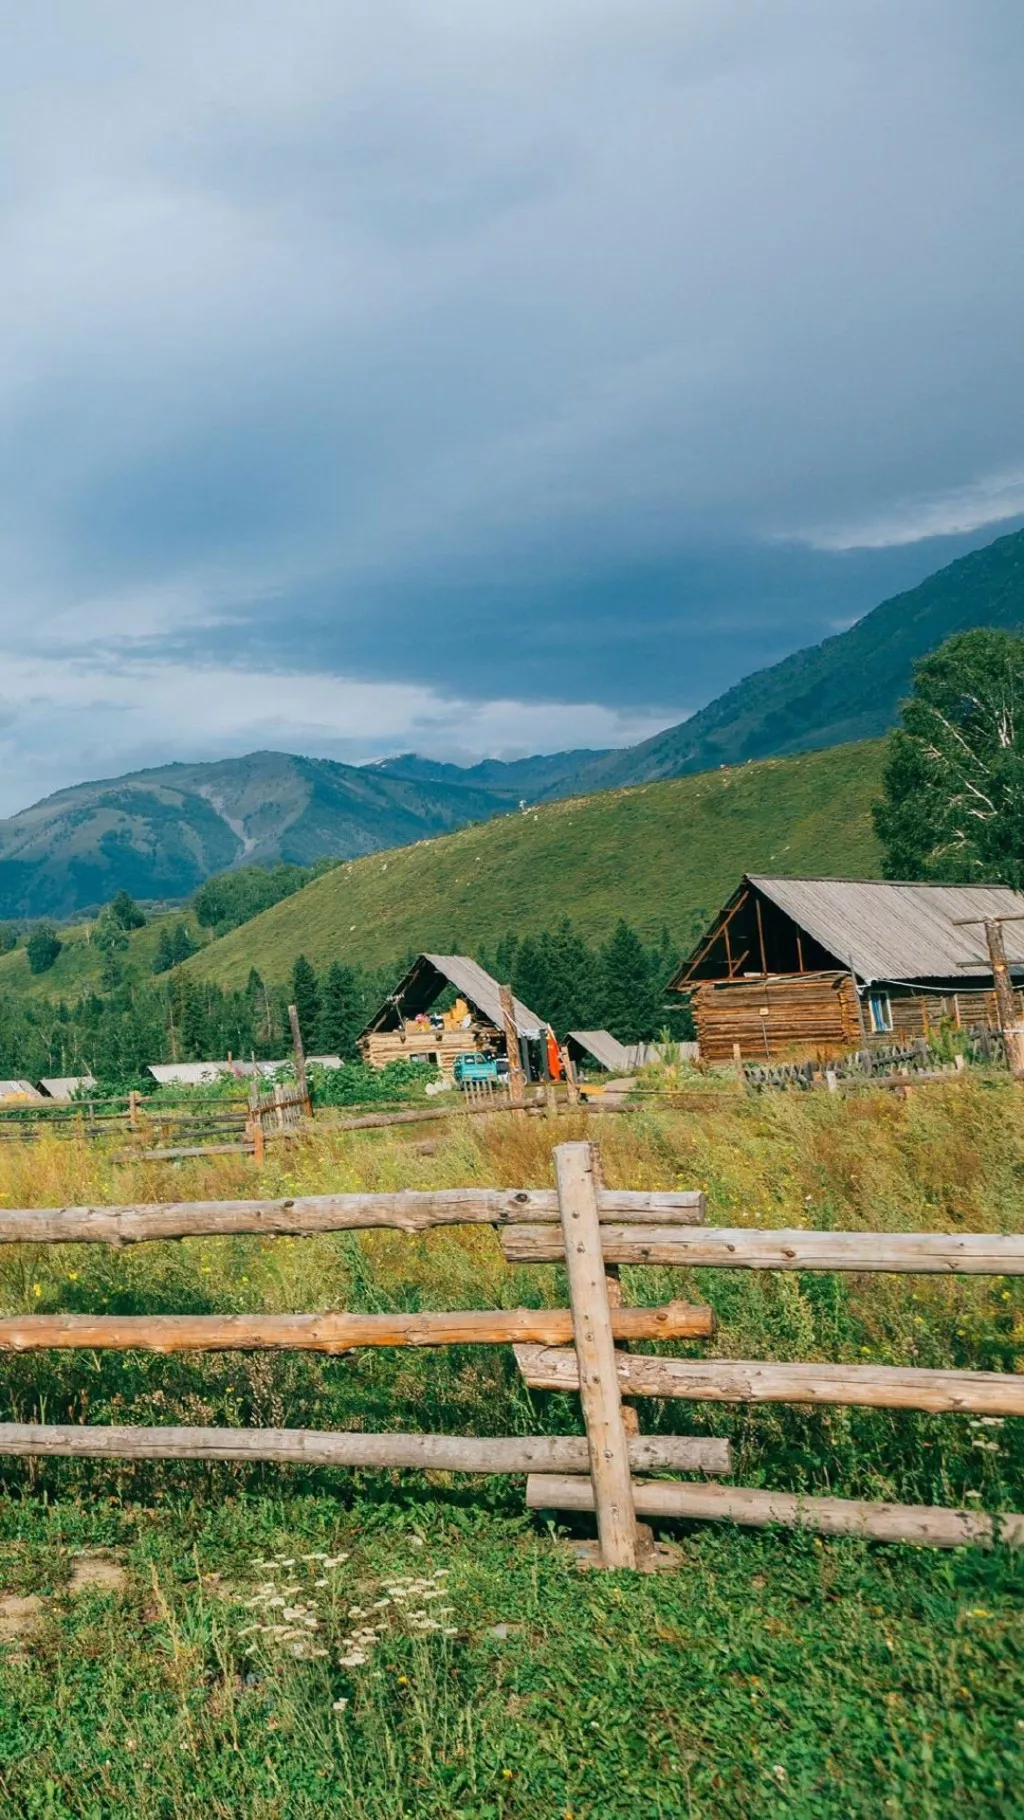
(133, 1109)
(595, 1352)
(300, 1061)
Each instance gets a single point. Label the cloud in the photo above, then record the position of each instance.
(996, 499)
(488, 354)
(150, 714)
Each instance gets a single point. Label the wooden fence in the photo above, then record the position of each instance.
(582, 1348)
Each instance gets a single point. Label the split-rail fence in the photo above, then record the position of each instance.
(593, 1230)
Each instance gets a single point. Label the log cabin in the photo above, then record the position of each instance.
(795, 967)
(407, 1028)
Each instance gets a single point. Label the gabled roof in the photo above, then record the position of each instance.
(18, 1091)
(65, 1086)
(885, 930)
(427, 978)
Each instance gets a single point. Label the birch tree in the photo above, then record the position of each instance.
(953, 802)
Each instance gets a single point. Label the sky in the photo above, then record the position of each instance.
(484, 379)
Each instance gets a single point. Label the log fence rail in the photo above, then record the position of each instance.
(591, 1229)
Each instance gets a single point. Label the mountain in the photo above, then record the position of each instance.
(662, 856)
(848, 688)
(160, 833)
(532, 779)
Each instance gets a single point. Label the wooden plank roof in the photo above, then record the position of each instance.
(892, 931)
(429, 974)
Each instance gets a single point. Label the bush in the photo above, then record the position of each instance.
(43, 947)
(356, 1084)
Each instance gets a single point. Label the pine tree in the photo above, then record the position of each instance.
(182, 944)
(305, 996)
(631, 995)
(341, 1012)
(163, 960)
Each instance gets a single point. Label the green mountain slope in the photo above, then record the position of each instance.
(662, 855)
(160, 833)
(848, 688)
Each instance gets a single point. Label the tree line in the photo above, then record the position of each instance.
(114, 1033)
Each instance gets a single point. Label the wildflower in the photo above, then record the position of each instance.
(356, 1611)
(286, 1560)
(340, 1705)
(417, 1541)
(972, 1494)
(354, 1660)
(334, 1560)
(778, 1770)
(320, 1557)
(380, 1605)
(36, 1290)
(451, 1630)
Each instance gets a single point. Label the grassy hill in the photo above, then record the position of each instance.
(664, 854)
(78, 968)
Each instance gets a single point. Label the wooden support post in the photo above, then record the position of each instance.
(1006, 1004)
(300, 1060)
(595, 1353)
(516, 1077)
(572, 1086)
(737, 1062)
(279, 1095)
(133, 1108)
(551, 1099)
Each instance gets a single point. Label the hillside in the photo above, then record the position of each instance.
(79, 966)
(160, 833)
(848, 688)
(665, 854)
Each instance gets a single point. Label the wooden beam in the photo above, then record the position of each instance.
(516, 1076)
(923, 1523)
(756, 1248)
(333, 1332)
(415, 1452)
(409, 1210)
(760, 934)
(594, 1356)
(720, 929)
(998, 1393)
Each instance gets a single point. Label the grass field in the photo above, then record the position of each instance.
(661, 855)
(771, 1674)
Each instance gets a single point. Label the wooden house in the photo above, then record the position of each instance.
(406, 1027)
(798, 966)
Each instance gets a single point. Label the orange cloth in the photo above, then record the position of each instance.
(554, 1057)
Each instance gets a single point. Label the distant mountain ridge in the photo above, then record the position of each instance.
(160, 833)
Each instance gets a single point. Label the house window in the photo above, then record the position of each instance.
(880, 1013)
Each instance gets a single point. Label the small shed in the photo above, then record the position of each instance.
(18, 1093)
(588, 1047)
(793, 965)
(407, 1028)
(65, 1086)
(201, 1074)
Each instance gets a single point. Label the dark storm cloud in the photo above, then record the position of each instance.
(580, 353)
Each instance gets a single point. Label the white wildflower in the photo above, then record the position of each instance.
(356, 1611)
(354, 1660)
(340, 1705)
(321, 1583)
(320, 1557)
(247, 1632)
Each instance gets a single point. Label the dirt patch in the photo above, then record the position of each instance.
(97, 1573)
(19, 1616)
